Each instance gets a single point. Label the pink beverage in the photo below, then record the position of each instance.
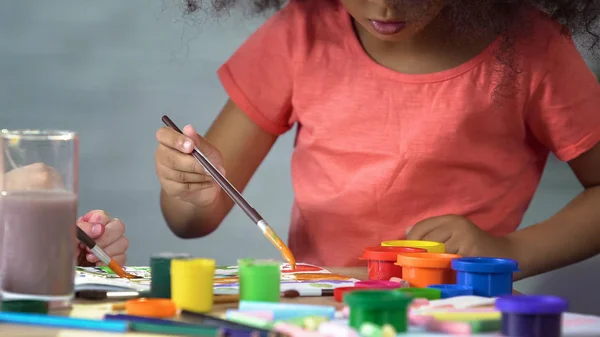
(39, 244)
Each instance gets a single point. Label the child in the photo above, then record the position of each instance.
(107, 232)
(426, 120)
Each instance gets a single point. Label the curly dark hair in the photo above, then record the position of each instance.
(507, 18)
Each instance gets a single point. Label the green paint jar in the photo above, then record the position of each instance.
(378, 307)
(260, 280)
(160, 271)
(427, 293)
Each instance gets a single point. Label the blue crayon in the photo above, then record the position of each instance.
(282, 311)
(63, 322)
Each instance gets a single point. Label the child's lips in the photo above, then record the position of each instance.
(387, 27)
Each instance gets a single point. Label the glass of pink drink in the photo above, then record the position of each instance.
(38, 214)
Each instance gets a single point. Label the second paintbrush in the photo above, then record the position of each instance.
(238, 199)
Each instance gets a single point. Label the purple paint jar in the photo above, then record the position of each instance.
(531, 316)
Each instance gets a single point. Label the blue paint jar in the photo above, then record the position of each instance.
(532, 316)
(489, 277)
(453, 290)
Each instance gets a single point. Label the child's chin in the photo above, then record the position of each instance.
(403, 35)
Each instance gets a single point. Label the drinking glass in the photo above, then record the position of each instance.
(38, 214)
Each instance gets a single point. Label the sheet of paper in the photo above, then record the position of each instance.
(102, 278)
(305, 276)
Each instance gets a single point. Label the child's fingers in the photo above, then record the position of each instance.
(92, 258)
(438, 234)
(453, 245)
(178, 161)
(174, 140)
(96, 216)
(94, 231)
(423, 228)
(202, 144)
(182, 176)
(112, 232)
(118, 247)
(181, 189)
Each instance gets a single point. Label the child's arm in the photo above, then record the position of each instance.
(571, 235)
(243, 146)
(259, 78)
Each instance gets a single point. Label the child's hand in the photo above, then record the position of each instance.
(109, 234)
(180, 175)
(460, 236)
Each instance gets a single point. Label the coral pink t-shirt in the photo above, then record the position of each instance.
(378, 151)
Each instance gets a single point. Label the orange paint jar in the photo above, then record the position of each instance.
(424, 269)
(381, 261)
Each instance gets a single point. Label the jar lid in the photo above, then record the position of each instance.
(490, 265)
(388, 253)
(377, 299)
(532, 304)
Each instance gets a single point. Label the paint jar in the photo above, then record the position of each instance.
(423, 269)
(338, 293)
(160, 266)
(373, 284)
(531, 316)
(260, 280)
(489, 277)
(192, 283)
(381, 261)
(378, 307)
(39, 179)
(426, 293)
(452, 290)
(430, 246)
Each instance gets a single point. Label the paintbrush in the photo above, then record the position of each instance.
(238, 199)
(100, 254)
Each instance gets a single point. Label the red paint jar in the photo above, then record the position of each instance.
(378, 284)
(338, 293)
(382, 259)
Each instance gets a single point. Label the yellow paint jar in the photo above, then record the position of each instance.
(192, 283)
(430, 246)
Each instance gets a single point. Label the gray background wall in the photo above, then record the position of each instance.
(109, 70)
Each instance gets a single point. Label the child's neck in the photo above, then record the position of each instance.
(431, 50)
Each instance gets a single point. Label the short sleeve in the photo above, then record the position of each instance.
(258, 77)
(564, 112)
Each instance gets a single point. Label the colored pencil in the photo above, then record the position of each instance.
(64, 322)
(204, 318)
(177, 327)
(237, 197)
